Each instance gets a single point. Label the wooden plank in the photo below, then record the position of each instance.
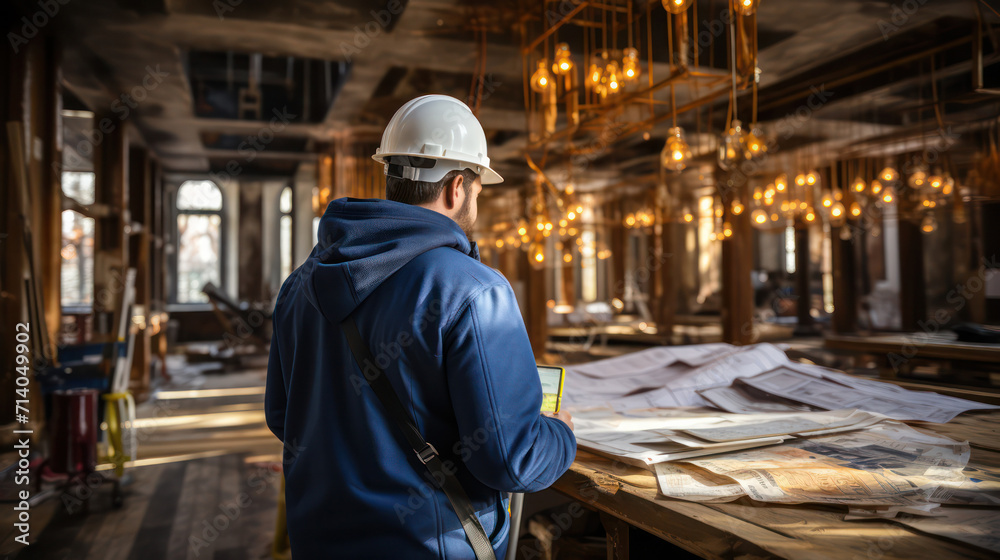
(618, 536)
(186, 516)
(116, 537)
(230, 475)
(205, 526)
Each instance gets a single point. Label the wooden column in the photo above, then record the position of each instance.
(665, 277)
(845, 302)
(251, 265)
(47, 222)
(806, 323)
(536, 300)
(912, 297)
(618, 249)
(568, 280)
(158, 263)
(737, 292)
(140, 206)
(110, 255)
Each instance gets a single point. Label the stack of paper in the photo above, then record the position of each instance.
(886, 464)
(662, 439)
(831, 390)
(665, 376)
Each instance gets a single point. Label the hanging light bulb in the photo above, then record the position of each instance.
(810, 215)
(755, 142)
(935, 181)
(675, 6)
(594, 76)
(563, 61)
(688, 216)
(812, 177)
(858, 185)
(888, 195)
(737, 207)
(727, 229)
(630, 220)
(613, 72)
(800, 179)
(676, 152)
(948, 186)
(541, 79)
(758, 217)
(536, 255)
(928, 224)
(781, 183)
(733, 146)
(837, 212)
(855, 209)
(630, 64)
(917, 179)
(889, 174)
(747, 7)
(876, 187)
(827, 200)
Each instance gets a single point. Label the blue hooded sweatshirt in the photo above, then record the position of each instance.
(447, 331)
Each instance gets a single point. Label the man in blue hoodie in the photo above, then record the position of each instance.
(448, 334)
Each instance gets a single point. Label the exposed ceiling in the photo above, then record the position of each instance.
(339, 69)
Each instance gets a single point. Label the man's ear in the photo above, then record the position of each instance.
(451, 191)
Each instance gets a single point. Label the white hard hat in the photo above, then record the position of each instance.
(432, 135)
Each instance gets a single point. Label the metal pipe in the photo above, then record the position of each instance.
(516, 505)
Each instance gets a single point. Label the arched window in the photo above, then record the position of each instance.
(199, 240)
(285, 232)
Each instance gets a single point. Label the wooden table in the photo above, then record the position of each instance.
(627, 497)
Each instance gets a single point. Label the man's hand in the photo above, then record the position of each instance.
(566, 417)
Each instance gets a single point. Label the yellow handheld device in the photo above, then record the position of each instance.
(552, 387)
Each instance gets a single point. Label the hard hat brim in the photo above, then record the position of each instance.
(487, 177)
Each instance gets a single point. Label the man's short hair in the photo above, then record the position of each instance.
(413, 192)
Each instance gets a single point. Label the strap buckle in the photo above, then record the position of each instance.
(427, 453)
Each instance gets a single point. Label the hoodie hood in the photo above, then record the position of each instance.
(364, 242)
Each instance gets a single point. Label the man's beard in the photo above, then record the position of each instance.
(464, 216)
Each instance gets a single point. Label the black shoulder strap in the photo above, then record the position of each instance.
(444, 477)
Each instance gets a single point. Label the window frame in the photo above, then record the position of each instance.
(175, 234)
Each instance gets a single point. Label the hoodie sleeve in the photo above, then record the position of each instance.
(497, 395)
(275, 398)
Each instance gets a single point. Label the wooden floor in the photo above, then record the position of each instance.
(205, 485)
(186, 509)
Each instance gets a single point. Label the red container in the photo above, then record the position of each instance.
(74, 431)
